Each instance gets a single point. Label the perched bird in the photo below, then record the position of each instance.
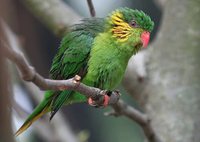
(98, 50)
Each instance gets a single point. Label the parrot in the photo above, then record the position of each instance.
(98, 50)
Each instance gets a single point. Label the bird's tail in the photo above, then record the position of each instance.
(41, 109)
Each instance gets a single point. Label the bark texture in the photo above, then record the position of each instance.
(170, 95)
(5, 104)
(6, 134)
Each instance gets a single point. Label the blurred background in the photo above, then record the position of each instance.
(160, 91)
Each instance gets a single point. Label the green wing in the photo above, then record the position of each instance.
(72, 56)
(75, 48)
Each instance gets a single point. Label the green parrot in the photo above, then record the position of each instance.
(98, 50)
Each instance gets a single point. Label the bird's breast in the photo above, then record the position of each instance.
(106, 66)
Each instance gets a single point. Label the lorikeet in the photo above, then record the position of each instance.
(98, 50)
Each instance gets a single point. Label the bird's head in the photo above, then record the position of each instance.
(131, 27)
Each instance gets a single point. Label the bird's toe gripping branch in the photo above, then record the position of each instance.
(104, 99)
(92, 102)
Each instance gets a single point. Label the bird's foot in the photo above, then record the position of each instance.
(101, 101)
(95, 104)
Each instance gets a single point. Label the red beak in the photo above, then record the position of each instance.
(145, 36)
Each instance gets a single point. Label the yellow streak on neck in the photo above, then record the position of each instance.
(121, 29)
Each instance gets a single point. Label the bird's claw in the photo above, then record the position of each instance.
(91, 102)
(104, 103)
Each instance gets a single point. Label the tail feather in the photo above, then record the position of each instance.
(59, 101)
(41, 109)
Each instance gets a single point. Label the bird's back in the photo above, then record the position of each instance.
(75, 48)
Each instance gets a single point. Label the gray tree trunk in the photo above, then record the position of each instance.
(171, 94)
(6, 134)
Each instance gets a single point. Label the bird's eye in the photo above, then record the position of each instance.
(133, 24)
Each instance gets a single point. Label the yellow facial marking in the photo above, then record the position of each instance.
(121, 29)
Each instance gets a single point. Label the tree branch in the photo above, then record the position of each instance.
(29, 74)
(120, 108)
(91, 8)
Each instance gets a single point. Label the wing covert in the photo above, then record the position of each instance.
(72, 57)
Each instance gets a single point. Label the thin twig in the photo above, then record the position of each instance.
(121, 108)
(91, 8)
